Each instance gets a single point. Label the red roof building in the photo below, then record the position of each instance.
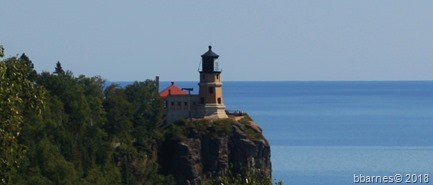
(171, 90)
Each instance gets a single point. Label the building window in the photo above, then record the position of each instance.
(210, 90)
(185, 103)
(172, 105)
(202, 100)
(179, 103)
(219, 100)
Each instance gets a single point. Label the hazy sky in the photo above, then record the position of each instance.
(256, 40)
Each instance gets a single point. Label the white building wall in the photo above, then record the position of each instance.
(179, 106)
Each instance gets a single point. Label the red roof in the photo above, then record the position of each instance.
(172, 90)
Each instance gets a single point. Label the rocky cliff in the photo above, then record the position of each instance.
(203, 149)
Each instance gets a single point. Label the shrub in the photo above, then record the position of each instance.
(253, 177)
(223, 127)
(176, 133)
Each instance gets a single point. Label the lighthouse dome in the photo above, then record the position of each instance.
(210, 54)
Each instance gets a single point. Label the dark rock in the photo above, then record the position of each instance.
(206, 154)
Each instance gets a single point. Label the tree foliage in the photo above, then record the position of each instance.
(2, 51)
(17, 95)
(56, 128)
(253, 177)
(59, 68)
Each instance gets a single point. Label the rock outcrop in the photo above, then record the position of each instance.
(205, 148)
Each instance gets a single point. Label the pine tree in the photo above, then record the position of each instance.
(59, 69)
(32, 72)
(2, 51)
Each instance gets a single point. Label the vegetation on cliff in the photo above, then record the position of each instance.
(56, 128)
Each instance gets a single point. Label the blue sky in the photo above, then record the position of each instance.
(256, 40)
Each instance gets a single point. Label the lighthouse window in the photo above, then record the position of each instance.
(210, 90)
(215, 65)
(219, 100)
(218, 76)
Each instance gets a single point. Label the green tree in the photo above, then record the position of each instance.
(83, 137)
(119, 114)
(2, 51)
(17, 93)
(148, 111)
(52, 164)
(29, 63)
(56, 128)
(59, 69)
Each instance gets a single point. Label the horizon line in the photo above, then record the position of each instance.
(283, 80)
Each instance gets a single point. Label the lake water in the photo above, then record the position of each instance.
(327, 132)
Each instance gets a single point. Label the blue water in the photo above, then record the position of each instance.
(325, 132)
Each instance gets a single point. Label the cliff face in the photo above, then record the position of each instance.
(204, 149)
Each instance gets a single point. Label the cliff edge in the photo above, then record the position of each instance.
(205, 149)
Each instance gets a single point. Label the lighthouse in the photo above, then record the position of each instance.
(207, 104)
(210, 87)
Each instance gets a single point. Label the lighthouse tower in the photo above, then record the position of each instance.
(210, 87)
